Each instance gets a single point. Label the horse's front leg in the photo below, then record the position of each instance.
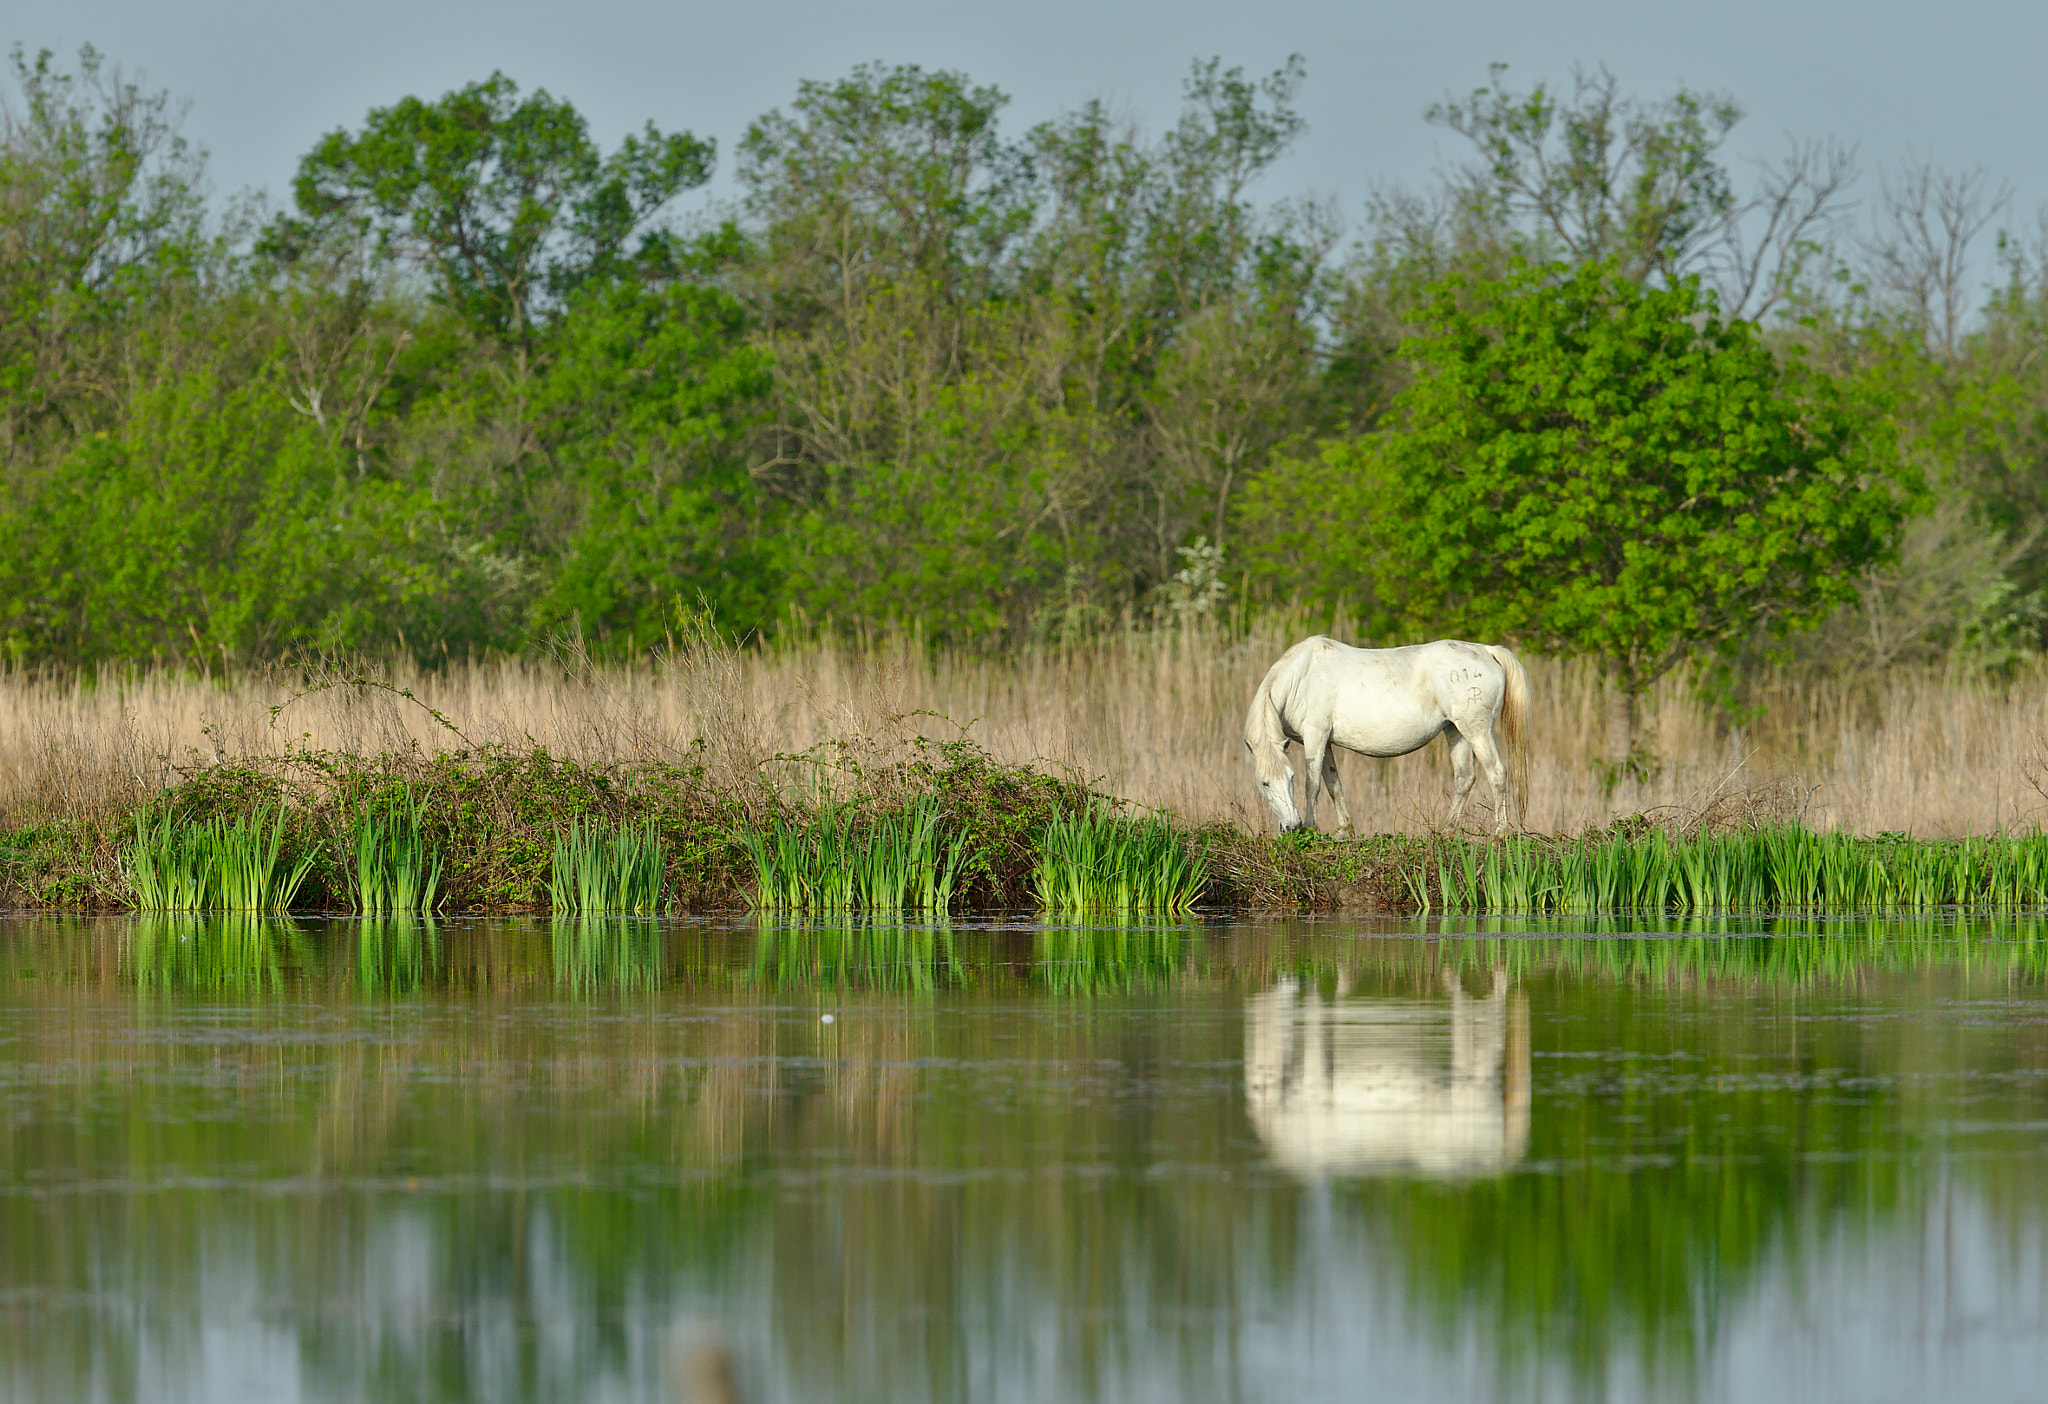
(1315, 754)
(1336, 789)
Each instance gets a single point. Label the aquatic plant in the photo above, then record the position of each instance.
(219, 864)
(1780, 867)
(393, 873)
(607, 870)
(1101, 861)
(837, 860)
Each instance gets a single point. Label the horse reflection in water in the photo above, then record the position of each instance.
(1359, 1086)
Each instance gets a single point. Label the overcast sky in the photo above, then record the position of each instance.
(1959, 83)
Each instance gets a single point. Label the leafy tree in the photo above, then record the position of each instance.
(646, 403)
(1590, 466)
(101, 217)
(506, 200)
(1600, 175)
(888, 177)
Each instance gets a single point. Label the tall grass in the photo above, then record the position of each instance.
(607, 870)
(1156, 716)
(183, 865)
(393, 873)
(1102, 861)
(838, 860)
(1778, 867)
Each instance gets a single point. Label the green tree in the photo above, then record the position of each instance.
(101, 219)
(506, 201)
(645, 404)
(1591, 466)
(1601, 175)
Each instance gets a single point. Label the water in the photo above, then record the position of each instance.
(1267, 1161)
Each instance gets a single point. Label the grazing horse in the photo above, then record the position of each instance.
(1385, 702)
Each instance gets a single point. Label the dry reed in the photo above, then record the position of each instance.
(1155, 718)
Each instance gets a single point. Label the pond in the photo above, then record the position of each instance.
(1279, 1160)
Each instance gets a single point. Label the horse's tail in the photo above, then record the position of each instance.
(1513, 725)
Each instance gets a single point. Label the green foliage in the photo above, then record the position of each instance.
(839, 860)
(472, 393)
(506, 199)
(220, 864)
(394, 874)
(647, 398)
(1772, 869)
(607, 871)
(1101, 861)
(1590, 466)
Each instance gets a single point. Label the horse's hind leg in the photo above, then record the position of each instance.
(1330, 783)
(1496, 776)
(1461, 776)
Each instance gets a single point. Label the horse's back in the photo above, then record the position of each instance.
(1386, 701)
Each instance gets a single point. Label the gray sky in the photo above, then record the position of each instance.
(1959, 83)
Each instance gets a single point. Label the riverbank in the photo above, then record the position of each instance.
(929, 829)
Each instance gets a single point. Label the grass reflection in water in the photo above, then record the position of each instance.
(1123, 1154)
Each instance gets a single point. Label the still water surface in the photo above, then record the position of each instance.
(1259, 1161)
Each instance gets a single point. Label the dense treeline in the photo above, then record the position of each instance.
(476, 387)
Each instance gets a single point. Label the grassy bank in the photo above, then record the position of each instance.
(920, 831)
(936, 828)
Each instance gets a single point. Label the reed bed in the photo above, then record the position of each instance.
(607, 870)
(837, 860)
(1154, 718)
(1101, 861)
(215, 865)
(393, 873)
(1774, 868)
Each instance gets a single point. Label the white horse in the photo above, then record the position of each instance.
(1385, 702)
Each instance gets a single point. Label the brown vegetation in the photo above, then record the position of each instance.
(1152, 717)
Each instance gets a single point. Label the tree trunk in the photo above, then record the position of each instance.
(1621, 723)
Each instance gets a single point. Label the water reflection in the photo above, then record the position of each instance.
(604, 957)
(216, 954)
(513, 1161)
(1351, 1085)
